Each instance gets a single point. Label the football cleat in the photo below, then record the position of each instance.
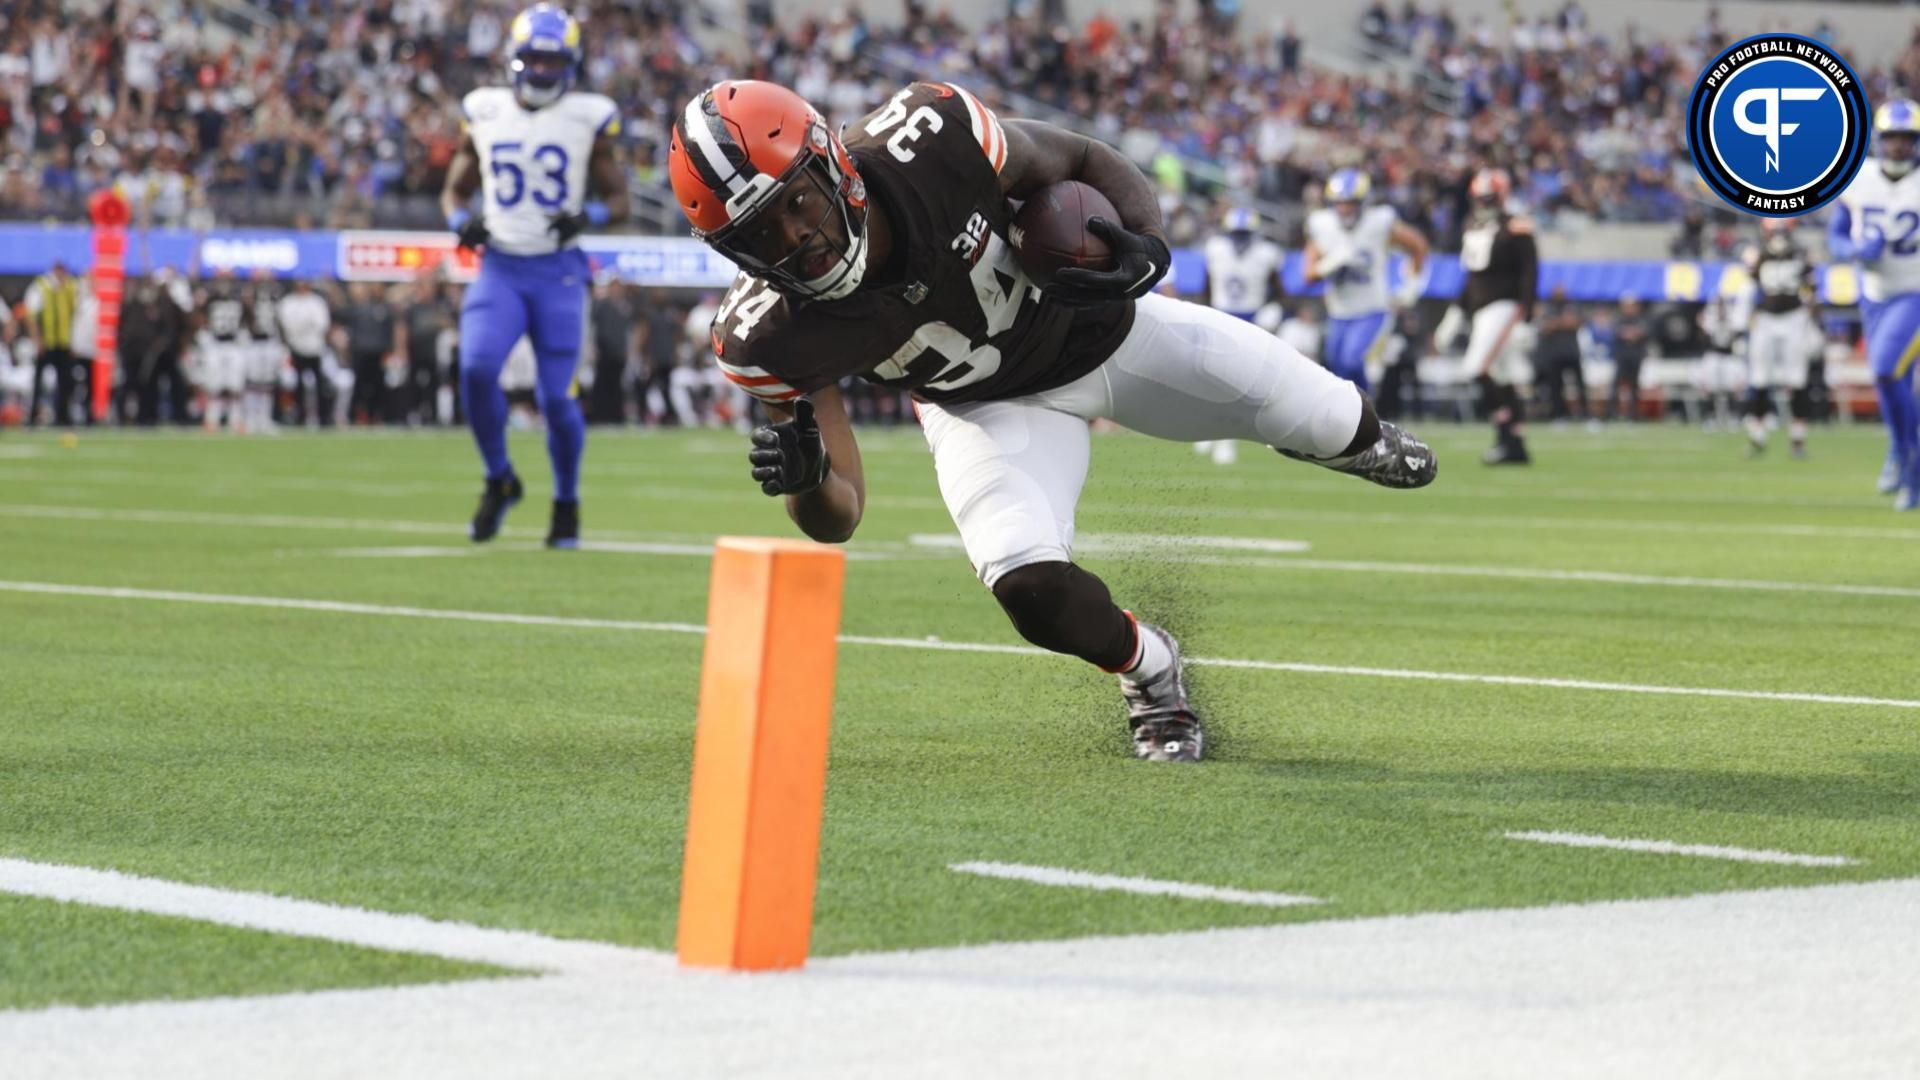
(1395, 460)
(1890, 475)
(496, 499)
(563, 530)
(1907, 499)
(1165, 727)
(1513, 453)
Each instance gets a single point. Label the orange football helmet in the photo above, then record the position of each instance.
(1490, 185)
(743, 146)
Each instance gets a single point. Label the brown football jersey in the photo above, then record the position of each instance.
(1502, 263)
(963, 322)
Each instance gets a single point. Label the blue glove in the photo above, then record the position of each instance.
(1871, 247)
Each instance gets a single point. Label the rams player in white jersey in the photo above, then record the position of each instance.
(1243, 280)
(1876, 223)
(1243, 267)
(1347, 243)
(544, 156)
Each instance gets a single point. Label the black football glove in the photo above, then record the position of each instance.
(565, 227)
(1140, 261)
(471, 229)
(789, 458)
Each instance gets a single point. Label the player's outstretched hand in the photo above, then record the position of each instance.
(789, 458)
(469, 227)
(1140, 261)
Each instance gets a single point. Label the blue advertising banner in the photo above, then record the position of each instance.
(683, 262)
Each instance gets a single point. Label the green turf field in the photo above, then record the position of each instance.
(534, 776)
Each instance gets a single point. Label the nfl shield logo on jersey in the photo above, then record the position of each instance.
(1778, 125)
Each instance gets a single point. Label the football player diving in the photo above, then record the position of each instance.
(856, 260)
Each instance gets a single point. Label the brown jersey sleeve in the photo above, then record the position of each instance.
(778, 349)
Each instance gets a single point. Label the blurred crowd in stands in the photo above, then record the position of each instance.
(342, 112)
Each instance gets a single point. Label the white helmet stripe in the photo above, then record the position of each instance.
(709, 148)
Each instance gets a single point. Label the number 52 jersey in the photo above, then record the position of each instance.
(1891, 207)
(960, 320)
(533, 162)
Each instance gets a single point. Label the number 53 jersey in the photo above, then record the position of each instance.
(533, 162)
(952, 316)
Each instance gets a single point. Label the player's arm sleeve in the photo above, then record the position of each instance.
(1840, 233)
(758, 381)
(747, 356)
(955, 102)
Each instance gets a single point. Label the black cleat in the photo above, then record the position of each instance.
(1165, 727)
(1514, 453)
(498, 497)
(564, 531)
(1395, 460)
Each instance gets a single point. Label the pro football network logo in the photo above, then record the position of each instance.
(1778, 125)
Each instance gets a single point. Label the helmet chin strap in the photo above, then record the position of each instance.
(1896, 169)
(852, 270)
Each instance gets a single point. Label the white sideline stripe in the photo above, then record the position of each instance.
(1668, 847)
(1137, 542)
(930, 643)
(1166, 546)
(616, 542)
(515, 949)
(1078, 879)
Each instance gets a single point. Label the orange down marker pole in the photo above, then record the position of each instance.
(760, 754)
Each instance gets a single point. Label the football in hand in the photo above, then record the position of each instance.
(1050, 231)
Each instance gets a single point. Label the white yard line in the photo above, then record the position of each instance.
(1136, 542)
(928, 643)
(1597, 577)
(1078, 879)
(1668, 847)
(515, 949)
(347, 608)
(1167, 548)
(416, 552)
